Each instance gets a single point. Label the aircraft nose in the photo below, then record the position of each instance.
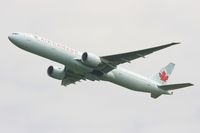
(14, 38)
(10, 37)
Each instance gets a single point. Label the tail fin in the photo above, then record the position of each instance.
(163, 76)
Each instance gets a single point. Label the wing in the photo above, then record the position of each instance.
(111, 61)
(71, 78)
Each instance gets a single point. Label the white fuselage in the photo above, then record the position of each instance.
(67, 56)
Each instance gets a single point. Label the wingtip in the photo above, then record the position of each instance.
(174, 43)
(191, 84)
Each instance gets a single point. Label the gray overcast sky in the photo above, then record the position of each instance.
(31, 102)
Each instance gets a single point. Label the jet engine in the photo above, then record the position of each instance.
(56, 72)
(90, 59)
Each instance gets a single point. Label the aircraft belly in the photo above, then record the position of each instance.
(129, 81)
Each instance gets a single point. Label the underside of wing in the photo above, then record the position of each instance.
(69, 80)
(111, 61)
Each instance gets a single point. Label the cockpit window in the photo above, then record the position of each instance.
(15, 33)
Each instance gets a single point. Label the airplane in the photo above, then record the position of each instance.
(88, 66)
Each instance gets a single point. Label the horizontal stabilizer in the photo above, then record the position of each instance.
(174, 86)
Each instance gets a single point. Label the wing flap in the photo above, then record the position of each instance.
(70, 80)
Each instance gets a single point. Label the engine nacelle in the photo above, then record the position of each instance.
(56, 72)
(90, 59)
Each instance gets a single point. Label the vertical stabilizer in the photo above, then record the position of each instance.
(163, 76)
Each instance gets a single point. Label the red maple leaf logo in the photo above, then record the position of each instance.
(163, 76)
